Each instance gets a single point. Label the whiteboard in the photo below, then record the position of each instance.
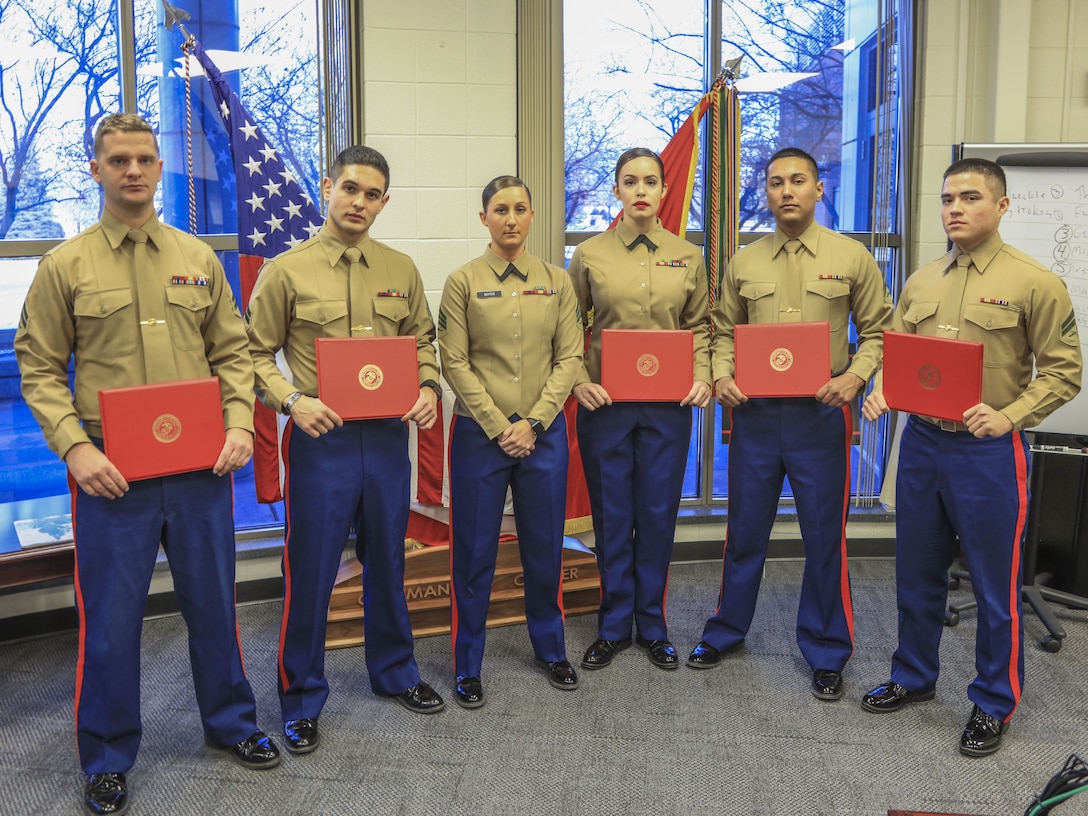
(1048, 220)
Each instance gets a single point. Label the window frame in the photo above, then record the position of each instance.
(874, 240)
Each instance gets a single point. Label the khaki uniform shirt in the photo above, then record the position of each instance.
(304, 293)
(83, 300)
(839, 277)
(629, 286)
(509, 344)
(1018, 309)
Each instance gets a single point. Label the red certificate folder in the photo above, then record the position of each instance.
(647, 365)
(931, 376)
(782, 359)
(368, 377)
(162, 429)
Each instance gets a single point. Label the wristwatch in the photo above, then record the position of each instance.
(434, 386)
(536, 425)
(289, 403)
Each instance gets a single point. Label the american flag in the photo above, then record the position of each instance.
(274, 214)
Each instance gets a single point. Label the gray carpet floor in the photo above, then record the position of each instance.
(744, 738)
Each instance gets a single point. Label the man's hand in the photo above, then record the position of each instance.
(425, 411)
(314, 416)
(727, 393)
(699, 395)
(982, 420)
(518, 440)
(93, 472)
(236, 453)
(840, 390)
(874, 406)
(591, 395)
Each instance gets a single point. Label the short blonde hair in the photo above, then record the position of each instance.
(122, 123)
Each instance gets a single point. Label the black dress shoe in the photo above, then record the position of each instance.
(601, 652)
(704, 656)
(560, 674)
(662, 653)
(892, 697)
(105, 793)
(421, 699)
(469, 692)
(982, 736)
(826, 684)
(301, 736)
(257, 753)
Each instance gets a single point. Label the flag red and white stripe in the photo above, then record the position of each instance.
(274, 214)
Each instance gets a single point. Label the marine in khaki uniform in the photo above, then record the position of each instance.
(342, 475)
(637, 276)
(968, 480)
(171, 318)
(510, 338)
(801, 272)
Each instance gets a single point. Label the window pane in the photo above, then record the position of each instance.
(633, 73)
(28, 469)
(66, 72)
(805, 83)
(60, 72)
(248, 513)
(268, 54)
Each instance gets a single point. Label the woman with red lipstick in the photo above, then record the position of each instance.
(637, 276)
(511, 345)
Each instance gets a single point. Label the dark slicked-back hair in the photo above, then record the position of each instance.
(639, 153)
(360, 154)
(991, 171)
(501, 183)
(792, 153)
(122, 123)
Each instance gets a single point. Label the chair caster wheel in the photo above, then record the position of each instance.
(1052, 644)
(951, 618)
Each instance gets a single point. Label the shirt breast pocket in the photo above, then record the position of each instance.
(999, 328)
(106, 325)
(922, 315)
(828, 300)
(320, 318)
(391, 311)
(188, 308)
(759, 297)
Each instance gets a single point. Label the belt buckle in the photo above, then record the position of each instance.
(947, 425)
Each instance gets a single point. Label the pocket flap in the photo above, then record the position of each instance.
(754, 290)
(920, 310)
(391, 308)
(829, 289)
(321, 312)
(992, 316)
(193, 298)
(102, 303)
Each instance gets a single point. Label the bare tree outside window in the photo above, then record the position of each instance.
(60, 72)
(58, 75)
(645, 74)
(633, 74)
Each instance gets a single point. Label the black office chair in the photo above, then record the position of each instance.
(1036, 594)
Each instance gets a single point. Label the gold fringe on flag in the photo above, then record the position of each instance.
(723, 181)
